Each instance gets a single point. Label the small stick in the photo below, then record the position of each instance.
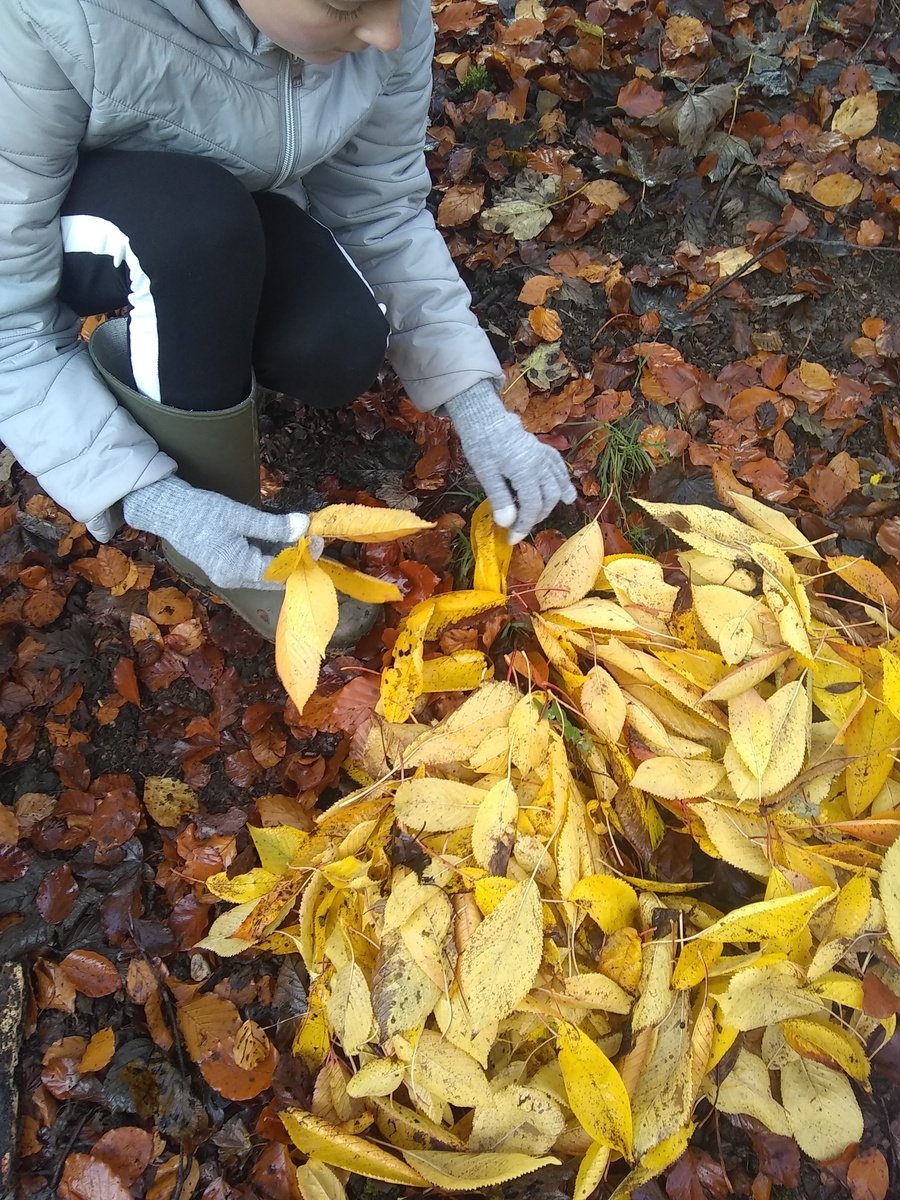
(723, 283)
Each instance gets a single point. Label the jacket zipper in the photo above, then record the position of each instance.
(291, 76)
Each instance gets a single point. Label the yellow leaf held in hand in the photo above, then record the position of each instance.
(595, 1090)
(499, 964)
(346, 1151)
(359, 585)
(492, 551)
(308, 618)
(360, 523)
(572, 570)
(767, 918)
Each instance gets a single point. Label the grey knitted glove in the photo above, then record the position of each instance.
(523, 479)
(213, 531)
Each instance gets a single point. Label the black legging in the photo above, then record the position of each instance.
(217, 281)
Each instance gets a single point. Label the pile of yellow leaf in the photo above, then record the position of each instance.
(496, 984)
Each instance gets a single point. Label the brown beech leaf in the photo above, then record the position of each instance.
(834, 191)
(536, 289)
(53, 988)
(87, 1178)
(878, 155)
(126, 1150)
(169, 606)
(222, 1072)
(460, 204)
(166, 1184)
(56, 894)
(639, 99)
(9, 826)
(545, 323)
(91, 973)
(98, 1052)
(867, 1175)
(205, 1021)
(125, 680)
(107, 568)
(116, 817)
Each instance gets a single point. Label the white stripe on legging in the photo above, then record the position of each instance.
(82, 234)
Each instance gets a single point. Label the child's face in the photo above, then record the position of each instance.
(322, 31)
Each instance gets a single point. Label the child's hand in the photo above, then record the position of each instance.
(523, 479)
(215, 533)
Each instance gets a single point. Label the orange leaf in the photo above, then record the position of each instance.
(91, 973)
(169, 606)
(536, 289)
(125, 680)
(834, 191)
(460, 204)
(639, 99)
(221, 1071)
(545, 323)
(127, 1150)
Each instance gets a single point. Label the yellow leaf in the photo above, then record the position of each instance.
(346, 1151)
(168, 800)
(737, 838)
(359, 523)
(856, 116)
(870, 741)
(890, 688)
(529, 736)
(790, 714)
(822, 1111)
(463, 671)
(594, 613)
(490, 890)
(639, 582)
(359, 585)
(98, 1052)
(815, 1038)
(867, 579)
(494, 828)
(603, 704)
(572, 569)
(408, 1130)
(284, 564)
(775, 526)
(747, 1088)
(749, 675)
(450, 607)
(312, 1041)
(279, 846)
(767, 918)
(517, 1120)
(437, 805)
(694, 963)
(317, 1181)
(595, 1090)
(220, 938)
(611, 902)
(750, 722)
(463, 1171)
(492, 550)
(889, 890)
(759, 996)
(597, 991)
(401, 682)
(307, 620)
(498, 966)
(380, 1077)
(851, 908)
(728, 617)
(591, 1171)
(709, 530)
(350, 1008)
(677, 779)
(730, 261)
(834, 191)
(250, 886)
(443, 1070)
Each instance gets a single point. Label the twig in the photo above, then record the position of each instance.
(70, 1142)
(723, 191)
(723, 283)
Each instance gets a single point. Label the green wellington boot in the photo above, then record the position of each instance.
(217, 451)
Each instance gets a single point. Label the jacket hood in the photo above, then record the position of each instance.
(219, 22)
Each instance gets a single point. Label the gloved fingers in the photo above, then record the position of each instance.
(501, 499)
(235, 564)
(285, 528)
(566, 488)
(532, 504)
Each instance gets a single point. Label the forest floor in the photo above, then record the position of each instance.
(599, 176)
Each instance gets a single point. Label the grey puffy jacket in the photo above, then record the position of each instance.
(195, 76)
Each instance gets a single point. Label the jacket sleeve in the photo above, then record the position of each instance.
(371, 194)
(56, 415)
